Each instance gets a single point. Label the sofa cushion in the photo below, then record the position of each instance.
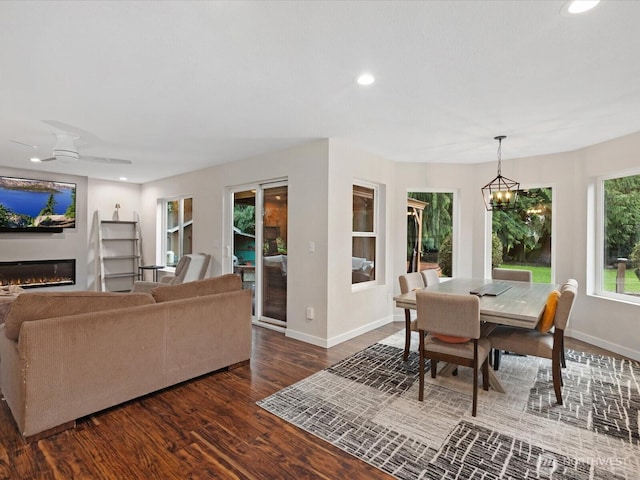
(209, 286)
(37, 306)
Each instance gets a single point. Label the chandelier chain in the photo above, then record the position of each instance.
(499, 156)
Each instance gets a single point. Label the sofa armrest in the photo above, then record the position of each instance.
(79, 364)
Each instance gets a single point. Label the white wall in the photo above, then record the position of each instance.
(599, 321)
(305, 168)
(320, 175)
(459, 180)
(604, 322)
(354, 310)
(103, 197)
(45, 246)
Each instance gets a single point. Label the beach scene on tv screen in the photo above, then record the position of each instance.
(28, 203)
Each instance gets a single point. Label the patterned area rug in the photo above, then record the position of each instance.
(367, 405)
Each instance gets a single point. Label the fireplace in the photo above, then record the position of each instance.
(38, 273)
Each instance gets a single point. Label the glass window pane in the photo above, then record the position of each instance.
(173, 214)
(274, 261)
(173, 252)
(363, 259)
(244, 240)
(621, 259)
(188, 210)
(522, 237)
(363, 209)
(429, 244)
(179, 230)
(187, 240)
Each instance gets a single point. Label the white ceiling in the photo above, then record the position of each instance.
(178, 86)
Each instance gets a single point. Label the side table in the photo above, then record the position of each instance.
(154, 268)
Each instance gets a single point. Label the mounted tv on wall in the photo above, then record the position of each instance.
(28, 205)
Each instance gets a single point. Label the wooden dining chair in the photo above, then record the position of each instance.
(430, 277)
(447, 317)
(409, 282)
(513, 275)
(539, 343)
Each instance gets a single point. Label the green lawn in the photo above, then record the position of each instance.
(543, 275)
(631, 282)
(540, 274)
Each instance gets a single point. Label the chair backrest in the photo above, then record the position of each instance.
(509, 274)
(430, 277)
(410, 281)
(568, 293)
(448, 313)
(191, 267)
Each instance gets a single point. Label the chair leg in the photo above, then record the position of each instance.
(475, 389)
(485, 375)
(434, 368)
(474, 408)
(407, 336)
(564, 363)
(496, 359)
(421, 386)
(556, 371)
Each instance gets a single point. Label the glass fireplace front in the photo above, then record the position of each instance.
(38, 273)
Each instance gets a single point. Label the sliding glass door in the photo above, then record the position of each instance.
(259, 246)
(274, 260)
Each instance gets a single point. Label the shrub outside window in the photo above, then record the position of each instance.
(620, 267)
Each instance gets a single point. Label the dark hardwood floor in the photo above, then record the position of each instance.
(206, 428)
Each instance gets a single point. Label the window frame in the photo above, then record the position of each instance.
(375, 234)
(597, 274)
(455, 218)
(181, 225)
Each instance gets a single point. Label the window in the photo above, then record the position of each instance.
(619, 269)
(430, 232)
(178, 226)
(364, 234)
(522, 237)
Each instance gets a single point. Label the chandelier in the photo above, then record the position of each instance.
(500, 193)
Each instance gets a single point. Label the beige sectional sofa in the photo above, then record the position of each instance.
(67, 355)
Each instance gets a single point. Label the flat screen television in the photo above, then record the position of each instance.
(28, 205)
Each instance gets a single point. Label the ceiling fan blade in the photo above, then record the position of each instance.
(48, 159)
(87, 137)
(113, 161)
(25, 144)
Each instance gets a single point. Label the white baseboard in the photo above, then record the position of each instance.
(331, 342)
(598, 342)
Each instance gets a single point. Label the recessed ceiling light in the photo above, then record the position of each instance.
(35, 160)
(574, 7)
(124, 179)
(365, 79)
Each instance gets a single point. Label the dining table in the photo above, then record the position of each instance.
(502, 302)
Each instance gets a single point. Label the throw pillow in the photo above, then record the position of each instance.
(549, 314)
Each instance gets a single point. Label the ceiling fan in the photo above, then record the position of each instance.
(65, 149)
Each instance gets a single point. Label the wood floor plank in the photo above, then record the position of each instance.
(206, 428)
